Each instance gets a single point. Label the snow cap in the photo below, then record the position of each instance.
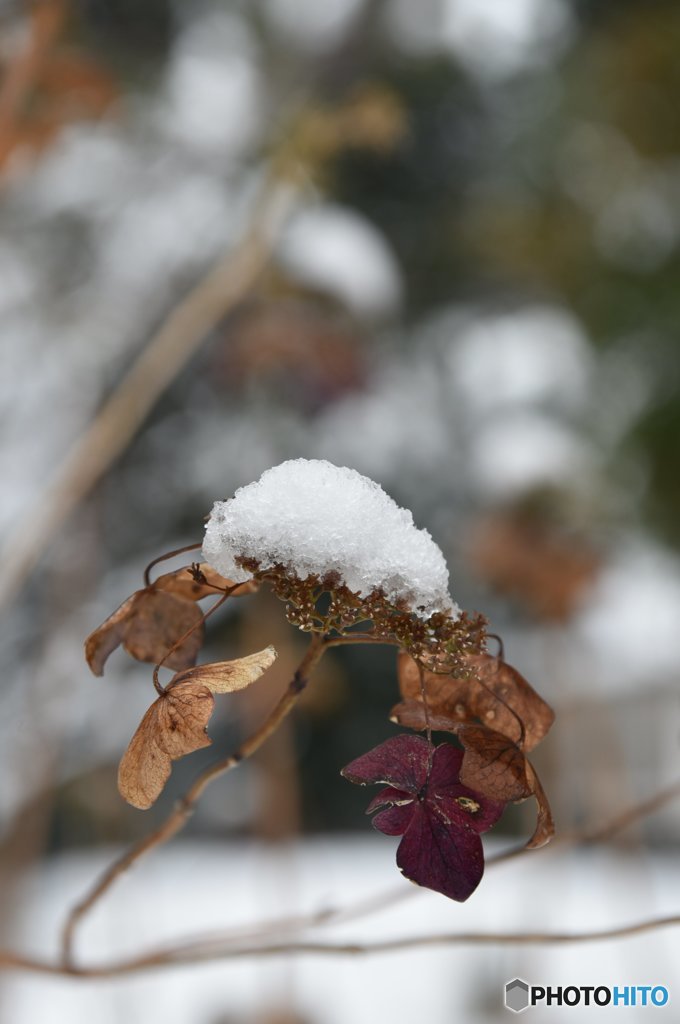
(316, 518)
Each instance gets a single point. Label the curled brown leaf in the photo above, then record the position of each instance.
(493, 764)
(150, 622)
(495, 767)
(494, 694)
(176, 723)
(228, 676)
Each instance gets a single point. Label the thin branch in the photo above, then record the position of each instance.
(121, 416)
(388, 898)
(226, 946)
(178, 818)
(202, 952)
(600, 833)
(165, 557)
(185, 636)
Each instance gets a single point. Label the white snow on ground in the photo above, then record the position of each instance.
(316, 518)
(192, 889)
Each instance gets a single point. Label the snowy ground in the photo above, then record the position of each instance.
(191, 888)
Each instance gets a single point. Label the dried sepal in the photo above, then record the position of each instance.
(103, 641)
(425, 802)
(493, 764)
(491, 692)
(545, 825)
(496, 715)
(496, 767)
(176, 723)
(150, 622)
(228, 676)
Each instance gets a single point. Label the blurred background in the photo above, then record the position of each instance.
(438, 242)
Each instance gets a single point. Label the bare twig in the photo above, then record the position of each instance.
(243, 942)
(164, 558)
(202, 952)
(388, 898)
(167, 352)
(637, 812)
(184, 807)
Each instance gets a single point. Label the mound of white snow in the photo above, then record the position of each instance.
(316, 518)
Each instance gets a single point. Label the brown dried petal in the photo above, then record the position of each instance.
(148, 624)
(153, 619)
(157, 623)
(104, 640)
(411, 714)
(173, 726)
(228, 676)
(495, 694)
(519, 697)
(545, 825)
(495, 767)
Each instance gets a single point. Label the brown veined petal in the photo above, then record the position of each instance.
(495, 766)
(148, 624)
(157, 622)
(545, 825)
(411, 714)
(174, 725)
(516, 698)
(495, 694)
(104, 640)
(228, 676)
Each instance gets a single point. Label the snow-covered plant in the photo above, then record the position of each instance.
(351, 567)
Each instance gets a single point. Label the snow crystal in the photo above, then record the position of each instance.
(316, 518)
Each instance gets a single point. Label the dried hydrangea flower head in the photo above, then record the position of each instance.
(311, 528)
(351, 567)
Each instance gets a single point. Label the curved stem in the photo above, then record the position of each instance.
(192, 629)
(165, 557)
(183, 809)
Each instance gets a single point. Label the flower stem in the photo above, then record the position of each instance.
(183, 809)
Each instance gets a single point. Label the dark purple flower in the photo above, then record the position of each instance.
(424, 801)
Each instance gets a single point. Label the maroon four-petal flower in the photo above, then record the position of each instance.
(439, 818)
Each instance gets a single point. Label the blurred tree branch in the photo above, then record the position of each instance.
(372, 119)
(167, 352)
(241, 943)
